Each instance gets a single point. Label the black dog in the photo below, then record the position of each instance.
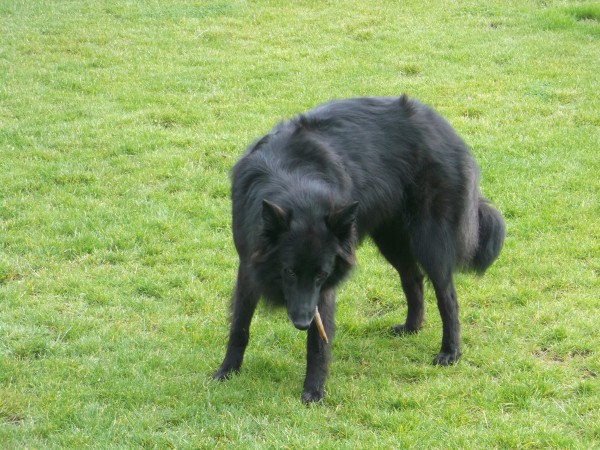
(308, 191)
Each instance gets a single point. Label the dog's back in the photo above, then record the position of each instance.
(398, 158)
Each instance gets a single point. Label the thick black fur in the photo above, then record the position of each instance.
(306, 193)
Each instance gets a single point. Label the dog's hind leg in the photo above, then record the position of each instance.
(412, 284)
(394, 246)
(244, 301)
(435, 256)
(318, 352)
(448, 306)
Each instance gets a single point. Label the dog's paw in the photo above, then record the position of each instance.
(403, 329)
(446, 358)
(312, 396)
(224, 374)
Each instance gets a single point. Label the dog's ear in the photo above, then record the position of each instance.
(275, 219)
(341, 221)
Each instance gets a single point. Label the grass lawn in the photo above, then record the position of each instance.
(119, 122)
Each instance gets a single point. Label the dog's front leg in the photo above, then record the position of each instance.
(318, 352)
(244, 301)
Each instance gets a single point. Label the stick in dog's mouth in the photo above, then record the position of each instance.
(320, 326)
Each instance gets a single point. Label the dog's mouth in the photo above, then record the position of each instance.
(304, 325)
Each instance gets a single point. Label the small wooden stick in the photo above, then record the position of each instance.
(320, 326)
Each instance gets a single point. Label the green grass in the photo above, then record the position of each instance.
(119, 122)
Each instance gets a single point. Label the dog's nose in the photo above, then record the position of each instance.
(302, 324)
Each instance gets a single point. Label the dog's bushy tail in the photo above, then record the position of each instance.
(491, 237)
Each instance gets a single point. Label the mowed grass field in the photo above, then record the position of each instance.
(119, 123)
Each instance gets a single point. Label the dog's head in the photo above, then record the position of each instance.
(311, 251)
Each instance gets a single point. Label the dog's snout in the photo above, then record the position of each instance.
(302, 323)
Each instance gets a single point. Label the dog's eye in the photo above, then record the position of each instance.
(289, 273)
(321, 276)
